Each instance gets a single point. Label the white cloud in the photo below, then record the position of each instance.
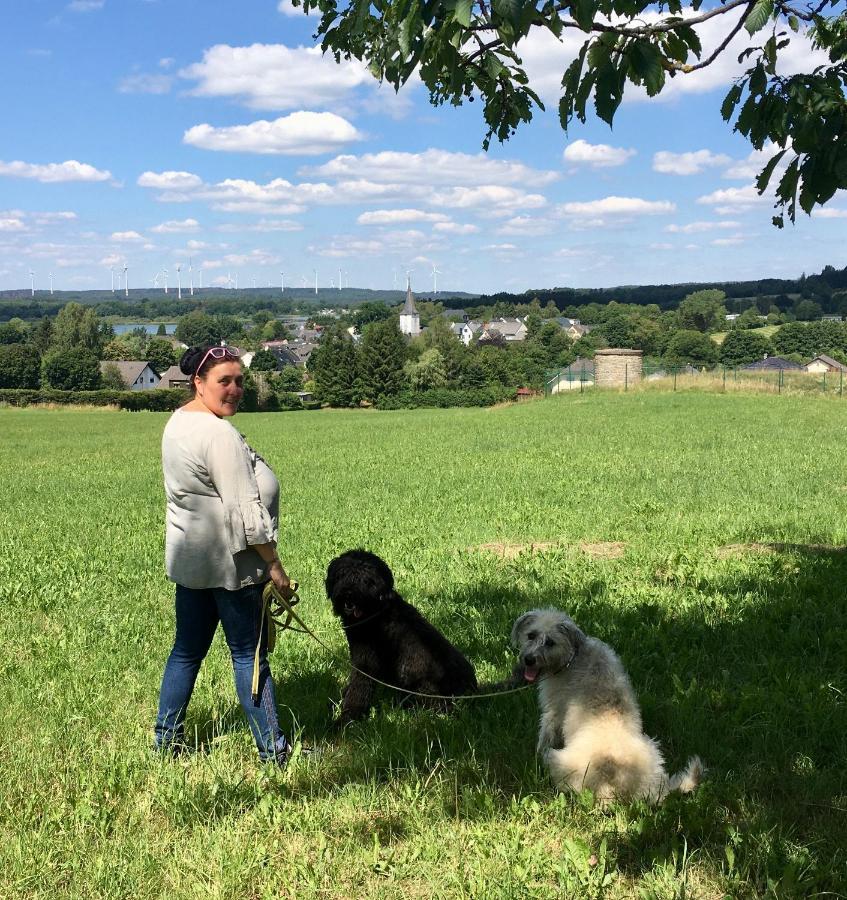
(175, 226)
(692, 163)
(143, 83)
(112, 260)
(525, 225)
(340, 248)
(826, 212)
(124, 237)
(570, 252)
(51, 173)
(166, 62)
(455, 228)
(699, 227)
(394, 216)
(496, 199)
(170, 181)
(83, 6)
(196, 245)
(433, 167)
(50, 218)
(734, 199)
(275, 77)
(12, 224)
(264, 225)
(660, 246)
(749, 168)
(598, 156)
(298, 133)
(728, 242)
(287, 8)
(619, 206)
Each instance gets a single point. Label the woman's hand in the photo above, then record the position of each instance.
(281, 581)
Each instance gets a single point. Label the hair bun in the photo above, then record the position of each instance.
(190, 360)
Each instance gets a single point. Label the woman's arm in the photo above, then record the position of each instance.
(275, 569)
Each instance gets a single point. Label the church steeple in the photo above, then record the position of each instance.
(410, 321)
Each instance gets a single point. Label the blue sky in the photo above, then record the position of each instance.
(154, 134)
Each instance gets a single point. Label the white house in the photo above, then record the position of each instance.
(137, 374)
(822, 364)
(466, 331)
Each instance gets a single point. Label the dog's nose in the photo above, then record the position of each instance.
(529, 660)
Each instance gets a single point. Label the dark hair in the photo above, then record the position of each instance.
(192, 357)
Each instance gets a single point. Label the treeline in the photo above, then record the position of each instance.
(828, 289)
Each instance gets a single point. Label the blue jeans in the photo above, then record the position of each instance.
(198, 612)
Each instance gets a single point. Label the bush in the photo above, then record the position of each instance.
(155, 400)
(446, 397)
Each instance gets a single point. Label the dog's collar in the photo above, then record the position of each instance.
(566, 666)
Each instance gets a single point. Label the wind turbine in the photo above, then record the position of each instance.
(50, 276)
(254, 282)
(304, 280)
(156, 279)
(32, 282)
(112, 270)
(165, 274)
(339, 279)
(201, 280)
(178, 282)
(316, 280)
(282, 282)
(191, 276)
(236, 280)
(435, 274)
(126, 282)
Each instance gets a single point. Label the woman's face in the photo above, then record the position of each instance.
(221, 388)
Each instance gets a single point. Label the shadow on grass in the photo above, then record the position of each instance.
(748, 670)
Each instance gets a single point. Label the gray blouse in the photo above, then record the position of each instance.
(222, 499)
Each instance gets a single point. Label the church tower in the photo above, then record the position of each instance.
(410, 321)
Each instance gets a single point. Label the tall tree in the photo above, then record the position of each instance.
(381, 358)
(198, 329)
(333, 366)
(702, 310)
(20, 366)
(741, 347)
(467, 48)
(76, 369)
(77, 326)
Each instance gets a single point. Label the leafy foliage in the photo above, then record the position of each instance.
(75, 369)
(20, 366)
(742, 347)
(464, 49)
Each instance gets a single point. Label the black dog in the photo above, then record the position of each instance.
(389, 638)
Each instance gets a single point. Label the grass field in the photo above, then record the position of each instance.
(703, 536)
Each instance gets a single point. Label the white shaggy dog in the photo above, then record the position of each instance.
(590, 732)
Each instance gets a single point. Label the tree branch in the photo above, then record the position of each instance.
(682, 67)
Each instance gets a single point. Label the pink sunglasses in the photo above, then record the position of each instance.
(218, 353)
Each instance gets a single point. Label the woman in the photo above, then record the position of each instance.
(220, 548)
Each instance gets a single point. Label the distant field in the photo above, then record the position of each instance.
(702, 535)
(766, 330)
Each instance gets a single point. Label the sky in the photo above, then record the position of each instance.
(157, 134)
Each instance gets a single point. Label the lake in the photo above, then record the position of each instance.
(126, 327)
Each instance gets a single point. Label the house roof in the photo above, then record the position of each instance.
(130, 369)
(506, 327)
(174, 375)
(773, 362)
(829, 361)
(565, 322)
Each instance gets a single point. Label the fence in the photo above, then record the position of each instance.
(722, 378)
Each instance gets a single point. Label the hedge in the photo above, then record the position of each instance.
(159, 400)
(445, 397)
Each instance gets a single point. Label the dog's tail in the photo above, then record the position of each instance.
(687, 779)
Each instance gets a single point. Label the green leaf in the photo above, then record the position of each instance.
(583, 12)
(765, 175)
(794, 23)
(759, 16)
(508, 10)
(646, 62)
(730, 102)
(462, 13)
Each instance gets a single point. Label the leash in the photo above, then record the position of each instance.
(275, 606)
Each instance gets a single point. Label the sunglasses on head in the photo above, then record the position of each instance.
(218, 353)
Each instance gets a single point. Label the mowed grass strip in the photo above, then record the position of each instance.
(738, 656)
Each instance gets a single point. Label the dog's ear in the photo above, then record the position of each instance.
(571, 631)
(521, 623)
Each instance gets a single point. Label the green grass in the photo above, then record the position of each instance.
(766, 331)
(739, 655)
